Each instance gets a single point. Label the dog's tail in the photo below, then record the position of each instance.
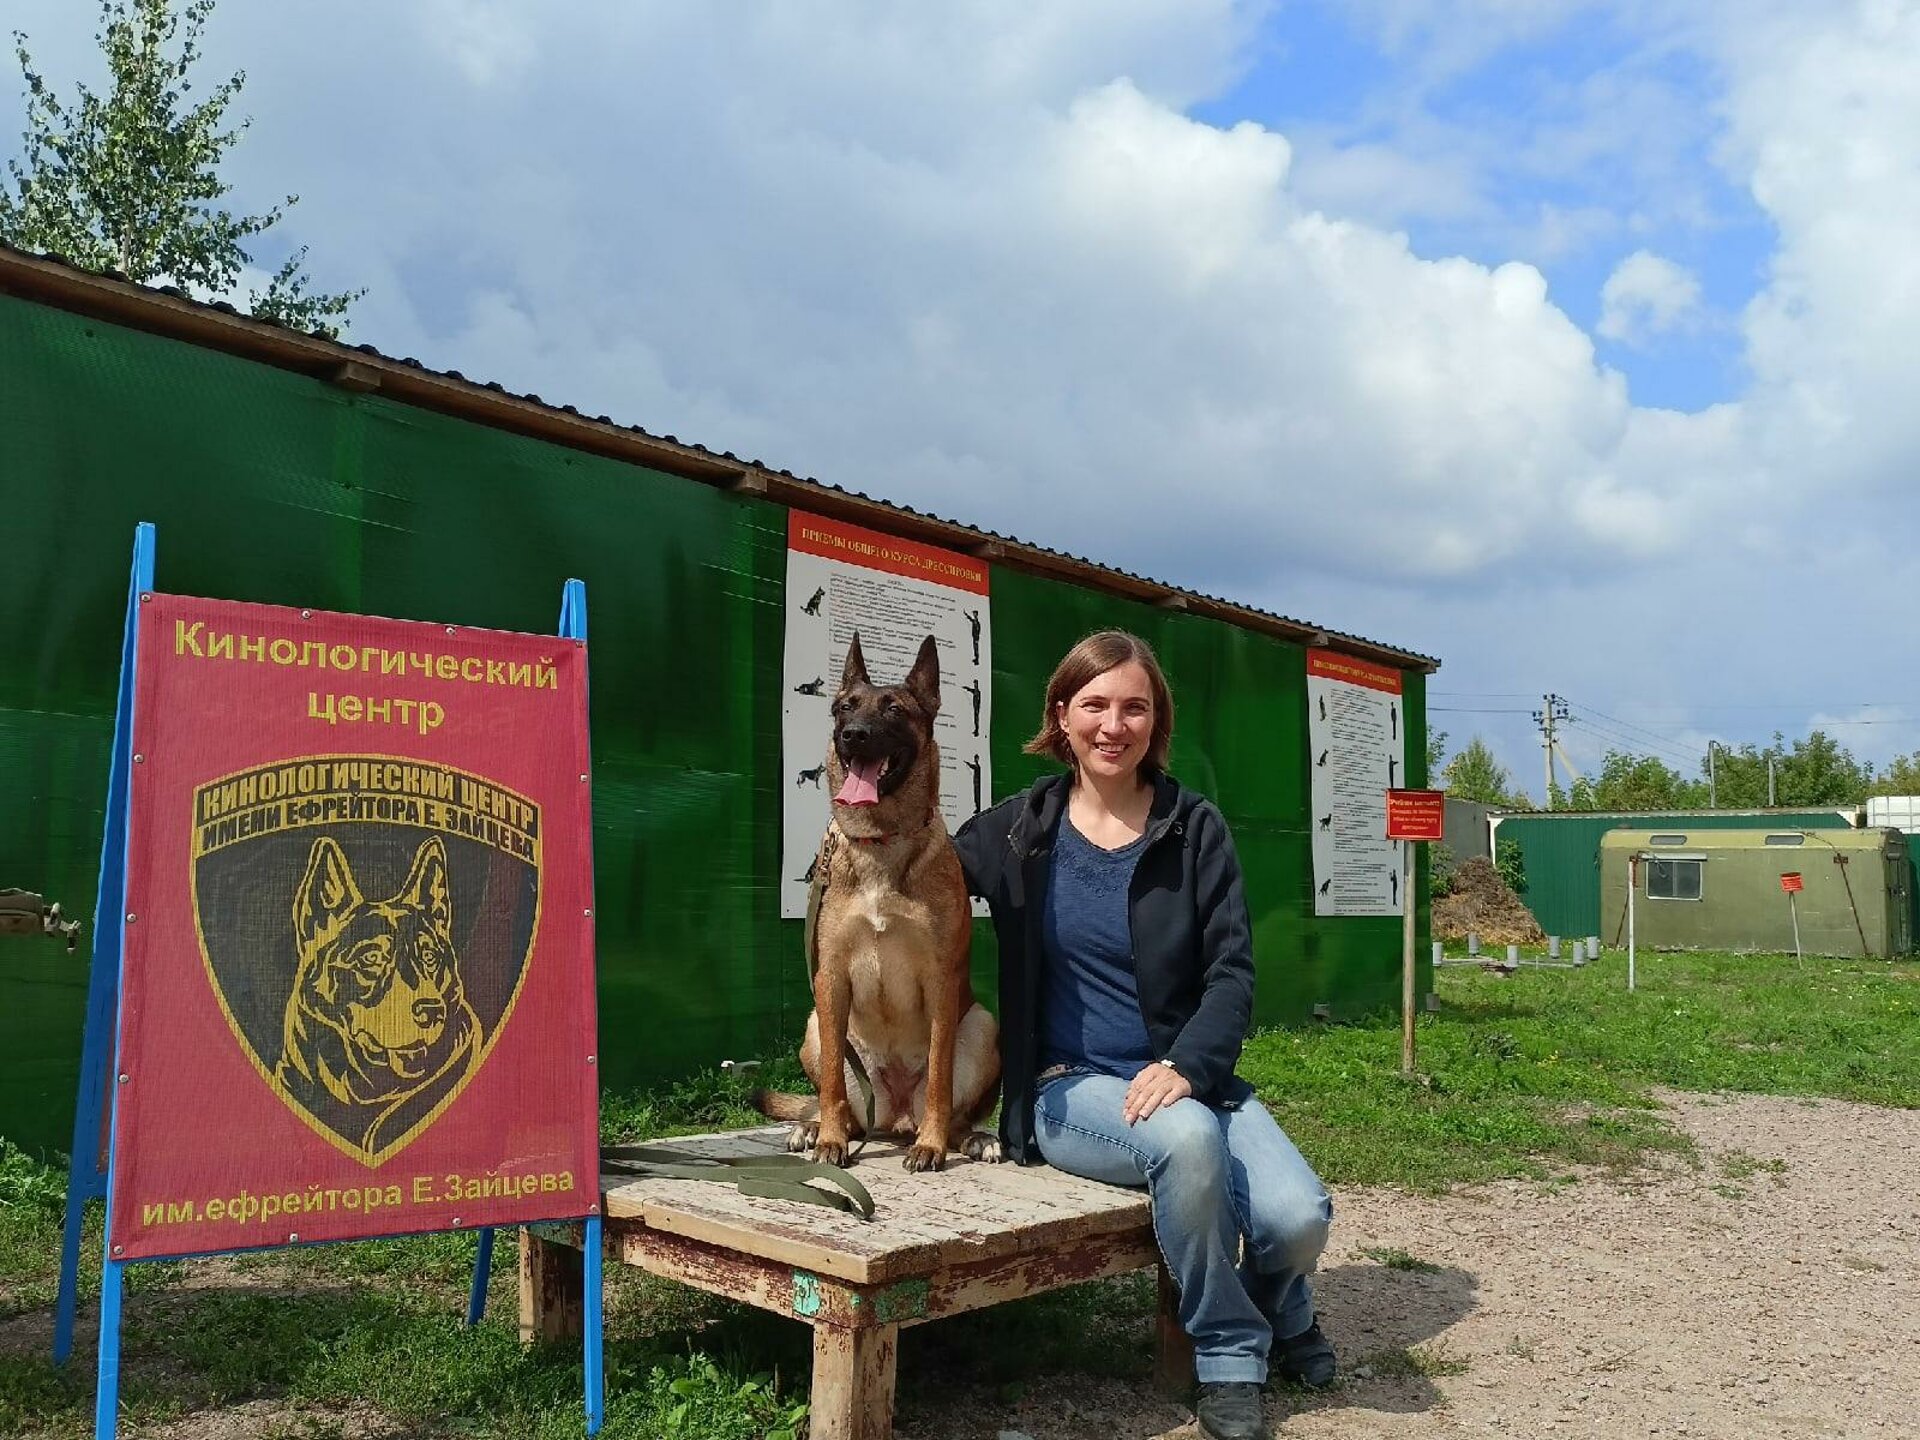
(777, 1105)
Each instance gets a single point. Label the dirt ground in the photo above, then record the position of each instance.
(1772, 1291)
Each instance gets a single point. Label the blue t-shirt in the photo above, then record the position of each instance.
(1090, 1000)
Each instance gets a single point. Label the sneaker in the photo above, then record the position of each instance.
(1230, 1410)
(1306, 1359)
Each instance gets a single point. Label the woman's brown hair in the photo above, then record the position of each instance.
(1078, 668)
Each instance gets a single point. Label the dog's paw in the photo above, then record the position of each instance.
(830, 1152)
(925, 1157)
(801, 1136)
(983, 1147)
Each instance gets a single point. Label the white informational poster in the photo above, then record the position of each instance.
(1356, 732)
(894, 593)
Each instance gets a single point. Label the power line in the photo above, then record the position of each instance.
(1629, 745)
(1658, 742)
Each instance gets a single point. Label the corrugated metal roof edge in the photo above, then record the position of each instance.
(172, 313)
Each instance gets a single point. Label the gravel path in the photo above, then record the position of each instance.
(1773, 1290)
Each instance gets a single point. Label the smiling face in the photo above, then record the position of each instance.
(1108, 722)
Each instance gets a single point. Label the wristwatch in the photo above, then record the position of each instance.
(1170, 1065)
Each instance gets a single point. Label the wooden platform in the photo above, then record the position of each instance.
(939, 1244)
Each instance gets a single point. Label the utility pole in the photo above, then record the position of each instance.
(1713, 784)
(1552, 712)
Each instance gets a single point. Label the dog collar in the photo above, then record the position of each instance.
(888, 836)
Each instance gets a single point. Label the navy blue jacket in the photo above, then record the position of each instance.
(1192, 945)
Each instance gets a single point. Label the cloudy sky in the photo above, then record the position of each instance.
(1575, 344)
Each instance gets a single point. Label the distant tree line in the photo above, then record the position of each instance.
(1814, 771)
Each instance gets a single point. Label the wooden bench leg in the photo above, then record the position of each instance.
(853, 1374)
(553, 1291)
(1173, 1347)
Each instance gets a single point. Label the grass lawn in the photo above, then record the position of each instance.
(1540, 1076)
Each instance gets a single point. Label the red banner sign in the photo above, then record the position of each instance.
(358, 983)
(1332, 665)
(1791, 882)
(1416, 814)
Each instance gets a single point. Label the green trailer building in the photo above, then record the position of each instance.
(1559, 850)
(1710, 889)
(286, 468)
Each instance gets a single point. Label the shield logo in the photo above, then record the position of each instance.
(366, 924)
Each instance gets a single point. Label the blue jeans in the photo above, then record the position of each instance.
(1215, 1177)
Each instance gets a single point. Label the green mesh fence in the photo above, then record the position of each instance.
(269, 486)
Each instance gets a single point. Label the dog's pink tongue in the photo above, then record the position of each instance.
(861, 787)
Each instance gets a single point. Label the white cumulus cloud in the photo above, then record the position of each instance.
(1647, 295)
(984, 259)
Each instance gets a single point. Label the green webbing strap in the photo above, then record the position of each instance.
(815, 893)
(771, 1177)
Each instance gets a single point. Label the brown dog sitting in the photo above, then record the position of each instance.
(893, 933)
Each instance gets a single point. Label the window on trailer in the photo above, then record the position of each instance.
(1672, 877)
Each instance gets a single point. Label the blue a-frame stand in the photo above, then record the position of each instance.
(90, 1172)
(573, 626)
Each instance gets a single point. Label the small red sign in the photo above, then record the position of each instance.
(1416, 814)
(1791, 882)
(359, 947)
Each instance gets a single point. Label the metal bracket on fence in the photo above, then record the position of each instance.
(22, 912)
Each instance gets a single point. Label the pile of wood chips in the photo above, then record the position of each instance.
(1483, 903)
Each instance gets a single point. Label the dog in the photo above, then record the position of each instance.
(377, 1032)
(893, 936)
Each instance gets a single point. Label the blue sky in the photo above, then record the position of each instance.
(1487, 120)
(1571, 342)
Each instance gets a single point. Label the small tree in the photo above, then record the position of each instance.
(1475, 775)
(1901, 777)
(1814, 771)
(1511, 864)
(1644, 782)
(128, 181)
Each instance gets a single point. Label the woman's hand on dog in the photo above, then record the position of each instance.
(1153, 1087)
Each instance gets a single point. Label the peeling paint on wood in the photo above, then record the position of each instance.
(904, 1301)
(806, 1294)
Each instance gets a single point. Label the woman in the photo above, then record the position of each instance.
(1126, 989)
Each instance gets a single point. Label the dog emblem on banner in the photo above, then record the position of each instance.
(366, 924)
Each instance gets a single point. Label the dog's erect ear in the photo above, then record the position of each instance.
(924, 679)
(326, 892)
(427, 890)
(855, 672)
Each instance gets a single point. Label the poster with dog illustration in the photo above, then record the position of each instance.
(358, 976)
(1358, 746)
(844, 580)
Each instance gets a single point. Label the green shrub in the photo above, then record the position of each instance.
(1511, 865)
